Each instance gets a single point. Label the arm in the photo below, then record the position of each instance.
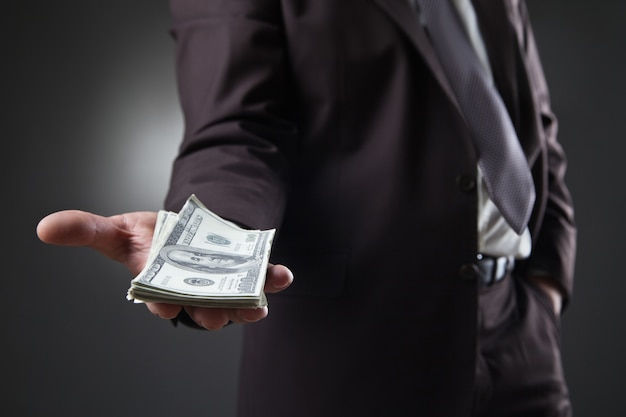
(233, 83)
(551, 265)
(234, 91)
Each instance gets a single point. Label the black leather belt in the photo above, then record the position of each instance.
(493, 268)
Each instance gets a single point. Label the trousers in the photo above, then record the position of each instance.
(519, 369)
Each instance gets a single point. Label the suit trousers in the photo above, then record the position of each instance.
(519, 371)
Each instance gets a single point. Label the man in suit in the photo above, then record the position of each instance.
(339, 123)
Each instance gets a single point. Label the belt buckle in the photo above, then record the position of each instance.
(493, 268)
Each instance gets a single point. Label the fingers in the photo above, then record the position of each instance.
(249, 315)
(164, 311)
(209, 318)
(278, 278)
(217, 318)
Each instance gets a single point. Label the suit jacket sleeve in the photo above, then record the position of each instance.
(232, 82)
(554, 246)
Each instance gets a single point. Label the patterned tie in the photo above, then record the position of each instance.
(500, 156)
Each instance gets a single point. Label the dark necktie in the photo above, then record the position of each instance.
(500, 156)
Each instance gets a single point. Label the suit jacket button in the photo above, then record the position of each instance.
(469, 271)
(466, 183)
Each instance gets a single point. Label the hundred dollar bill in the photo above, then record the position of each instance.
(197, 258)
(166, 220)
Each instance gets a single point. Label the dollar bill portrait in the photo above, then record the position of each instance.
(205, 260)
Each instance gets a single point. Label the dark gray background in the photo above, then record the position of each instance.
(91, 121)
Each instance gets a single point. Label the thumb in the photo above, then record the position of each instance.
(71, 228)
(125, 238)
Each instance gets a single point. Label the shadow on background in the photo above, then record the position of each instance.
(91, 121)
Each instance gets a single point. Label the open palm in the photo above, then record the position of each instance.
(126, 238)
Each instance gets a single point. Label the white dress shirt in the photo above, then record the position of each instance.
(495, 236)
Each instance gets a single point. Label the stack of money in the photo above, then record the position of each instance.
(199, 259)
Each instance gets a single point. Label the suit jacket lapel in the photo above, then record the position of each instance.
(502, 33)
(402, 13)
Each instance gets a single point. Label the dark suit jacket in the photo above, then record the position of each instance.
(332, 121)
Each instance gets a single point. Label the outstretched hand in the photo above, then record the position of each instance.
(126, 238)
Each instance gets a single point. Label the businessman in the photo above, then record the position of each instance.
(407, 154)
